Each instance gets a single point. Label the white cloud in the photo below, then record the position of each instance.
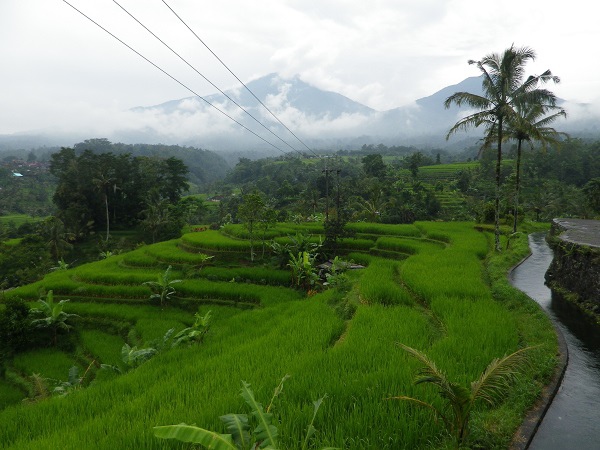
(63, 71)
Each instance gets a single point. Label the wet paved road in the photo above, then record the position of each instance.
(580, 231)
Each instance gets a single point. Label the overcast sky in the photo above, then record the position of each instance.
(59, 71)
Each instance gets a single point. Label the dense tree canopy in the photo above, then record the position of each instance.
(95, 189)
(204, 166)
(366, 188)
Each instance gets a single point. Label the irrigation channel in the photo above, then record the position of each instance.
(573, 419)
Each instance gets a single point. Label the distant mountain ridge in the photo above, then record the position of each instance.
(322, 119)
(340, 121)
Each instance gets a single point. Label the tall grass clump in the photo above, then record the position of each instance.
(397, 245)
(256, 275)
(240, 232)
(111, 271)
(454, 271)
(479, 329)
(306, 227)
(350, 244)
(380, 284)
(152, 329)
(49, 362)
(116, 292)
(60, 282)
(384, 229)
(236, 292)
(139, 258)
(104, 347)
(212, 241)
(170, 253)
(127, 312)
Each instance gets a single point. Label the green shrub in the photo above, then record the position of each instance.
(15, 327)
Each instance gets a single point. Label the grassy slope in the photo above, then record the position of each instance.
(450, 301)
(16, 219)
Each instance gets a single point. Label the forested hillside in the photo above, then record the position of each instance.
(204, 166)
(403, 184)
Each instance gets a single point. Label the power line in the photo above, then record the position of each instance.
(206, 79)
(236, 77)
(172, 77)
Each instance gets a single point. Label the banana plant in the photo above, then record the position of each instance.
(491, 386)
(132, 357)
(162, 289)
(61, 265)
(304, 271)
(53, 315)
(253, 432)
(75, 382)
(195, 333)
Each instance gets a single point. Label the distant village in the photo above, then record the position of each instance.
(21, 168)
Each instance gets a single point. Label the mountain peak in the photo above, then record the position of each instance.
(471, 84)
(278, 94)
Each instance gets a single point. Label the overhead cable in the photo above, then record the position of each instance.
(172, 77)
(206, 79)
(236, 77)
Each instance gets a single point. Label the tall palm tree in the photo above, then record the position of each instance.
(103, 182)
(533, 124)
(58, 239)
(155, 216)
(503, 87)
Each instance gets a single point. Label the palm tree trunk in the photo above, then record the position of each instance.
(497, 199)
(107, 216)
(517, 187)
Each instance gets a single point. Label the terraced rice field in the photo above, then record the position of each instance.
(424, 285)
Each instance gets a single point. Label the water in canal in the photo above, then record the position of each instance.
(573, 420)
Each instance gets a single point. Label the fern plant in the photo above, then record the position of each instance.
(245, 432)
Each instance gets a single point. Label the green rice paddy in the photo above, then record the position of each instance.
(446, 296)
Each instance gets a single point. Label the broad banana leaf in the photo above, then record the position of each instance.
(265, 432)
(196, 435)
(237, 425)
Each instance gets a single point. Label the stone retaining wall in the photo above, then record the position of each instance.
(575, 269)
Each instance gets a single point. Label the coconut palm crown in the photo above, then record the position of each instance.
(504, 88)
(490, 387)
